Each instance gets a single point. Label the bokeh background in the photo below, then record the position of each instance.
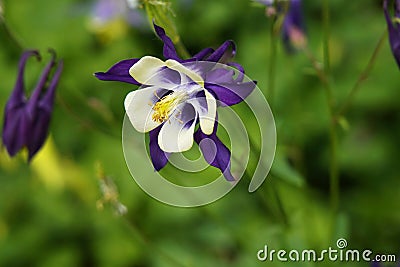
(51, 212)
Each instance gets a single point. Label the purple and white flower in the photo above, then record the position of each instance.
(176, 94)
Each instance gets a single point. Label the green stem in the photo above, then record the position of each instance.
(276, 195)
(326, 30)
(181, 49)
(363, 76)
(279, 203)
(150, 246)
(9, 33)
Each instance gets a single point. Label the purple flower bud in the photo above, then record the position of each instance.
(26, 121)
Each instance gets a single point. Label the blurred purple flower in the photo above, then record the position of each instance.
(293, 32)
(393, 28)
(26, 121)
(177, 94)
(106, 11)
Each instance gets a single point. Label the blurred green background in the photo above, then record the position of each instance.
(49, 210)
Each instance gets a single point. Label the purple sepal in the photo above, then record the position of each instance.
(231, 94)
(225, 88)
(119, 72)
(202, 55)
(215, 152)
(158, 157)
(221, 54)
(169, 50)
(16, 120)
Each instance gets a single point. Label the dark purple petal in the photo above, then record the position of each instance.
(222, 52)
(119, 72)
(48, 99)
(18, 96)
(16, 121)
(39, 129)
(225, 88)
(215, 152)
(203, 53)
(231, 94)
(169, 50)
(15, 130)
(394, 32)
(40, 85)
(158, 157)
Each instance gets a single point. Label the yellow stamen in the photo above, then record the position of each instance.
(164, 107)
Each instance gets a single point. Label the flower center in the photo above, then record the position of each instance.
(166, 105)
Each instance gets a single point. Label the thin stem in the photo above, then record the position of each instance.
(84, 122)
(326, 30)
(363, 76)
(181, 49)
(318, 67)
(11, 36)
(279, 203)
(151, 247)
(276, 195)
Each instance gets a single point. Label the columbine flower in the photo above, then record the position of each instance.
(293, 27)
(176, 94)
(394, 29)
(26, 121)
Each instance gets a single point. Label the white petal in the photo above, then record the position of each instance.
(148, 70)
(207, 114)
(175, 134)
(139, 108)
(175, 65)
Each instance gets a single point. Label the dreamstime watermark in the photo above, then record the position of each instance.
(340, 253)
(255, 118)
